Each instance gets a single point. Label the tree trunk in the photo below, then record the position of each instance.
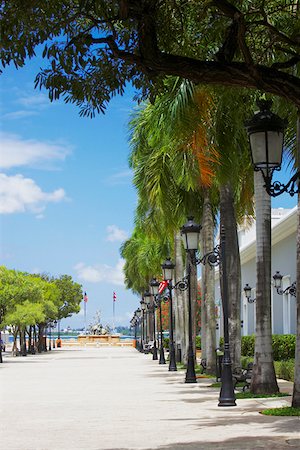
(179, 303)
(15, 335)
(263, 377)
(296, 390)
(233, 270)
(208, 318)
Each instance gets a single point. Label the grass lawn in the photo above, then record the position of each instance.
(285, 411)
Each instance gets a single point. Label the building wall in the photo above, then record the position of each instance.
(283, 307)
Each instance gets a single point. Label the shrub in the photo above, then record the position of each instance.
(285, 369)
(248, 343)
(198, 342)
(166, 342)
(283, 346)
(245, 360)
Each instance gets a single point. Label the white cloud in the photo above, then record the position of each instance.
(38, 99)
(101, 272)
(20, 114)
(122, 177)
(19, 194)
(16, 151)
(114, 234)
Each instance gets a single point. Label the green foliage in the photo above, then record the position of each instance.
(198, 342)
(284, 411)
(166, 342)
(283, 346)
(248, 343)
(242, 395)
(27, 299)
(245, 360)
(285, 369)
(93, 49)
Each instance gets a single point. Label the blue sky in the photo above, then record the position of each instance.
(66, 195)
(67, 200)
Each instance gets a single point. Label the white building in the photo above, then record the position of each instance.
(284, 241)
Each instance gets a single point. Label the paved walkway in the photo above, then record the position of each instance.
(117, 399)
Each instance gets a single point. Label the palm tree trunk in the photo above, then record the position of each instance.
(233, 270)
(296, 390)
(263, 378)
(208, 318)
(180, 310)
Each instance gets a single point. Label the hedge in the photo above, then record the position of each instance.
(283, 346)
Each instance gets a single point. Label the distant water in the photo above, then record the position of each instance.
(66, 337)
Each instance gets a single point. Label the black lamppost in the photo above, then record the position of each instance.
(50, 337)
(138, 315)
(168, 268)
(292, 289)
(190, 233)
(227, 397)
(54, 325)
(154, 287)
(143, 308)
(147, 300)
(266, 131)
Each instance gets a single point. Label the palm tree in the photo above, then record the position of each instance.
(176, 152)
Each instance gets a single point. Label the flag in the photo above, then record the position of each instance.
(162, 286)
(85, 298)
(114, 296)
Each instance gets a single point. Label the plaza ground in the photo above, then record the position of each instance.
(116, 398)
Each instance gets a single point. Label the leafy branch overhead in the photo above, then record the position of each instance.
(96, 47)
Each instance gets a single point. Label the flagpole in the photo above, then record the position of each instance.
(113, 313)
(85, 299)
(84, 317)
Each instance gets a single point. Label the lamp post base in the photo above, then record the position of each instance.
(155, 357)
(162, 359)
(227, 397)
(190, 376)
(172, 365)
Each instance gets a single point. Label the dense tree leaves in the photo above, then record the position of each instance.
(95, 47)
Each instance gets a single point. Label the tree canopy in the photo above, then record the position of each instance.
(96, 47)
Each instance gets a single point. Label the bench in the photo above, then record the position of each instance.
(240, 375)
(203, 365)
(148, 346)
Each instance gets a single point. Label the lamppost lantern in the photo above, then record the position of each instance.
(265, 131)
(168, 268)
(247, 290)
(143, 305)
(277, 277)
(291, 290)
(190, 233)
(138, 313)
(154, 285)
(147, 297)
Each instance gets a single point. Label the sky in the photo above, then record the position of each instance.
(66, 196)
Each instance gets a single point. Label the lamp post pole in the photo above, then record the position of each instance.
(162, 359)
(190, 376)
(154, 357)
(227, 397)
(50, 337)
(172, 363)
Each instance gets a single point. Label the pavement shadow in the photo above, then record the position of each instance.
(248, 443)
